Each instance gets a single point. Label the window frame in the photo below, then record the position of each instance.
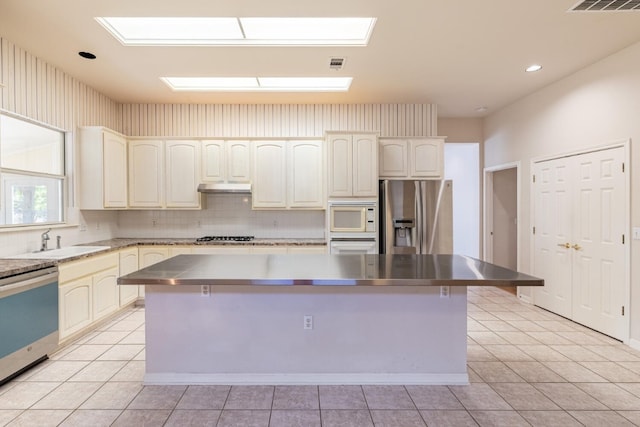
(63, 178)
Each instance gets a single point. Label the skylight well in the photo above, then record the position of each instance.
(259, 84)
(206, 31)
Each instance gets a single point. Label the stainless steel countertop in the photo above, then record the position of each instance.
(338, 270)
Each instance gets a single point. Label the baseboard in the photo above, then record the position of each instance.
(635, 344)
(302, 379)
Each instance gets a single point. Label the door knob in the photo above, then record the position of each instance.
(577, 247)
(565, 245)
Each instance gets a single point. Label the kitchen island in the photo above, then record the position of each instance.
(311, 319)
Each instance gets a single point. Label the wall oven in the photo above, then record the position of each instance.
(352, 226)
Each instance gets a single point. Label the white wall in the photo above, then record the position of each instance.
(592, 107)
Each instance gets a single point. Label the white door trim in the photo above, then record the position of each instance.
(626, 144)
(487, 213)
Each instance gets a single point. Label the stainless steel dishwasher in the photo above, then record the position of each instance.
(28, 320)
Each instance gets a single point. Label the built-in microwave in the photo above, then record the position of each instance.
(352, 217)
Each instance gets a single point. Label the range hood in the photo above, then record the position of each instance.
(223, 187)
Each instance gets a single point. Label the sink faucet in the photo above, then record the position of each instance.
(45, 239)
(58, 238)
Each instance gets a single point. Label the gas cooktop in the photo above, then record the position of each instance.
(225, 239)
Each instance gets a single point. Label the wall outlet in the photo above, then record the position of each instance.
(205, 290)
(444, 292)
(83, 226)
(308, 322)
(636, 233)
(154, 222)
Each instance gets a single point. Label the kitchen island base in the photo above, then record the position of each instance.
(256, 335)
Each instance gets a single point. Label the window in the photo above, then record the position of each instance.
(31, 173)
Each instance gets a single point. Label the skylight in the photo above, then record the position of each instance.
(190, 31)
(259, 84)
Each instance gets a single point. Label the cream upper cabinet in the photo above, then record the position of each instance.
(238, 161)
(426, 158)
(411, 158)
(146, 174)
(393, 158)
(269, 175)
(102, 169)
(305, 181)
(288, 174)
(164, 174)
(213, 161)
(353, 165)
(226, 161)
(182, 174)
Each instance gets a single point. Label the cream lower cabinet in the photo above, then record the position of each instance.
(128, 264)
(149, 255)
(87, 292)
(221, 250)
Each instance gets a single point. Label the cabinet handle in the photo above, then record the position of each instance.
(565, 245)
(577, 247)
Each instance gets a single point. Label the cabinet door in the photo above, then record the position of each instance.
(393, 158)
(75, 306)
(146, 175)
(149, 256)
(310, 249)
(426, 158)
(114, 170)
(269, 250)
(306, 183)
(340, 166)
(152, 255)
(222, 250)
(182, 174)
(105, 296)
(128, 264)
(269, 175)
(238, 161)
(365, 166)
(213, 161)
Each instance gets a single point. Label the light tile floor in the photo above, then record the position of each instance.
(526, 366)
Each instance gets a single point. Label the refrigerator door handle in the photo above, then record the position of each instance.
(419, 228)
(435, 216)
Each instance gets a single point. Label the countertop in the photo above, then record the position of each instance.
(12, 267)
(337, 270)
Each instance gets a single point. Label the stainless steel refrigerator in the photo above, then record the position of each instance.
(416, 217)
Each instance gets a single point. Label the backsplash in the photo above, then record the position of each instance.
(222, 214)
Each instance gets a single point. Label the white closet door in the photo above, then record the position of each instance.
(599, 226)
(552, 258)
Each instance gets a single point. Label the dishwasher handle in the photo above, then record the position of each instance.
(21, 283)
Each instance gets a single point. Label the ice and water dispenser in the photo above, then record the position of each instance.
(403, 232)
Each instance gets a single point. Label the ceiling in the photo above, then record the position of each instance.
(459, 54)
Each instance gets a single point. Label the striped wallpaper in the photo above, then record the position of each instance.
(40, 91)
(277, 120)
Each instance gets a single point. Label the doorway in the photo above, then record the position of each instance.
(462, 166)
(501, 217)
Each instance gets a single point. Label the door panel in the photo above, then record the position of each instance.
(600, 225)
(580, 200)
(552, 260)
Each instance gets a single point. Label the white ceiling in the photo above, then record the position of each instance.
(459, 54)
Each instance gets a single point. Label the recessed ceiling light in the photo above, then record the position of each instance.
(533, 68)
(87, 55)
(189, 31)
(259, 84)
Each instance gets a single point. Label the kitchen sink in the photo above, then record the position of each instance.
(62, 253)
